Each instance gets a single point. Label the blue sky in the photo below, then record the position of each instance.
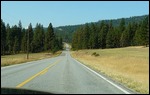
(61, 13)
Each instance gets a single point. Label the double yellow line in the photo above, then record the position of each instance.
(39, 73)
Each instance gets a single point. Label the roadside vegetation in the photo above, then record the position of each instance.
(129, 65)
(107, 35)
(21, 58)
(16, 39)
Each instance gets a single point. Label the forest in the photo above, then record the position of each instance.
(113, 33)
(66, 32)
(16, 39)
(108, 35)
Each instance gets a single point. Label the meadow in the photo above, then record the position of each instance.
(129, 66)
(21, 58)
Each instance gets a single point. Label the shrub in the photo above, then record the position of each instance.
(94, 53)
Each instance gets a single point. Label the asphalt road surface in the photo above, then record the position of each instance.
(61, 74)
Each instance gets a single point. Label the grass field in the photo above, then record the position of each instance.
(129, 66)
(20, 58)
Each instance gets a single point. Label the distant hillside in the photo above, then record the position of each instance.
(66, 32)
(116, 22)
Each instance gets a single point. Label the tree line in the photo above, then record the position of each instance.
(66, 32)
(16, 39)
(103, 35)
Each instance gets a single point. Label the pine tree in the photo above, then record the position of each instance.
(42, 36)
(24, 41)
(38, 39)
(116, 37)
(60, 44)
(79, 38)
(93, 41)
(55, 46)
(85, 36)
(144, 32)
(9, 39)
(126, 37)
(100, 34)
(75, 41)
(110, 38)
(121, 28)
(30, 30)
(104, 31)
(14, 33)
(19, 35)
(148, 31)
(16, 45)
(124, 41)
(132, 34)
(122, 25)
(136, 38)
(3, 37)
(49, 37)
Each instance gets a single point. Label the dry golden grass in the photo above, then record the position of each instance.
(20, 58)
(129, 65)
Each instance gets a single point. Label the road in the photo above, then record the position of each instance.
(61, 74)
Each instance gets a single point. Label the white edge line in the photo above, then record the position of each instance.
(24, 63)
(3, 67)
(14, 65)
(126, 92)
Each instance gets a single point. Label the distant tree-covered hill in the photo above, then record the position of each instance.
(107, 34)
(66, 32)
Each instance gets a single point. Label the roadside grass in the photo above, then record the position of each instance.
(129, 65)
(21, 58)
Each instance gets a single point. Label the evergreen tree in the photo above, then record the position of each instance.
(124, 41)
(85, 36)
(121, 28)
(110, 38)
(100, 34)
(30, 30)
(136, 39)
(93, 41)
(24, 41)
(60, 44)
(14, 33)
(132, 34)
(3, 37)
(16, 45)
(79, 38)
(104, 31)
(144, 32)
(19, 35)
(9, 39)
(38, 39)
(49, 37)
(116, 37)
(75, 41)
(122, 25)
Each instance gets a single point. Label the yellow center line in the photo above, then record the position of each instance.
(44, 72)
(39, 73)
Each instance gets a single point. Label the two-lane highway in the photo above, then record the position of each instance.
(61, 74)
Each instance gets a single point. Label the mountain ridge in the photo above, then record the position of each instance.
(67, 31)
